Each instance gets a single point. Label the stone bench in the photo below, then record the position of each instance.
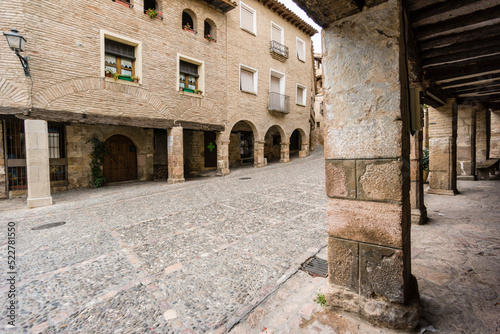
(486, 168)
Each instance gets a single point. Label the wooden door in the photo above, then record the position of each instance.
(210, 150)
(120, 164)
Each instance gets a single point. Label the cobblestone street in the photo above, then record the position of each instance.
(152, 257)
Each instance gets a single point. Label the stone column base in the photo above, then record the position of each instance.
(172, 181)
(419, 216)
(442, 192)
(38, 202)
(283, 161)
(466, 178)
(302, 154)
(379, 312)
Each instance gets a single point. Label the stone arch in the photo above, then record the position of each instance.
(120, 163)
(243, 142)
(73, 86)
(230, 126)
(272, 144)
(11, 91)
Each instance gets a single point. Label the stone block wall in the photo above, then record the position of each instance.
(466, 140)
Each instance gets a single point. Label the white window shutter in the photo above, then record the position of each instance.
(276, 34)
(246, 81)
(247, 19)
(300, 50)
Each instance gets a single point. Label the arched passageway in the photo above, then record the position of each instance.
(295, 143)
(272, 144)
(120, 164)
(241, 144)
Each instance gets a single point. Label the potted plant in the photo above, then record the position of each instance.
(125, 77)
(152, 13)
(425, 164)
(210, 38)
(188, 27)
(135, 79)
(198, 91)
(116, 75)
(108, 73)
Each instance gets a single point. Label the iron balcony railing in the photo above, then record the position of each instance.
(279, 49)
(279, 102)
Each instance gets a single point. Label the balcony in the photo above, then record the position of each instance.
(279, 102)
(222, 5)
(279, 51)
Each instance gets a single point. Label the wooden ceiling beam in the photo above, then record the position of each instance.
(479, 88)
(461, 47)
(479, 53)
(428, 30)
(470, 67)
(474, 35)
(439, 8)
(477, 80)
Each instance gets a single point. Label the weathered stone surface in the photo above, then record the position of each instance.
(340, 176)
(379, 180)
(382, 273)
(343, 263)
(376, 223)
(363, 96)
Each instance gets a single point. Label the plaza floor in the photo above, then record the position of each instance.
(217, 254)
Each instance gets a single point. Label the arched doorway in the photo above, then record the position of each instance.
(272, 144)
(241, 145)
(295, 143)
(120, 164)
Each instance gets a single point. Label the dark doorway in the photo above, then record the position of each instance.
(210, 150)
(150, 4)
(295, 142)
(272, 145)
(120, 164)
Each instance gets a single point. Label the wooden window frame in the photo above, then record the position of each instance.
(136, 63)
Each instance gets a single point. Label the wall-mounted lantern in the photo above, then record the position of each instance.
(17, 43)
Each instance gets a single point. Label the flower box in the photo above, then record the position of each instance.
(188, 90)
(125, 77)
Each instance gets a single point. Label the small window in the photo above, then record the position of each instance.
(301, 95)
(277, 33)
(188, 20)
(210, 31)
(150, 4)
(248, 18)
(301, 49)
(119, 58)
(188, 76)
(248, 79)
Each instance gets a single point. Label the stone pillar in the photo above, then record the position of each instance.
(482, 153)
(304, 150)
(285, 152)
(258, 154)
(222, 155)
(495, 134)
(418, 209)
(3, 170)
(466, 142)
(175, 149)
(37, 163)
(367, 168)
(443, 149)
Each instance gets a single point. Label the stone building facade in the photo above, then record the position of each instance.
(318, 101)
(205, 85)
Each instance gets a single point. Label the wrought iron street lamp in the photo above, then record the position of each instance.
(17, 43)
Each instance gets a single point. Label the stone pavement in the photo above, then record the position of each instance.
(214, 254)
(156, 258)
(455, 258)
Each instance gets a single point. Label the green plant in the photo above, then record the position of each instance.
(135, 79)
(425, 159)
(321, 299)
(198, 91)
(116, 75)
(97, 156)
(188, 27)
(152, 13)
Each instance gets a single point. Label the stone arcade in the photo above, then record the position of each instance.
(375, 54)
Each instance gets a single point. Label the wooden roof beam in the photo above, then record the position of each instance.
(471, 55)
(438, 8)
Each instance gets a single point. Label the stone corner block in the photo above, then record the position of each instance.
(371, 222)
(383, 272)
(343, 263)
(380, 180)
(340, 176)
